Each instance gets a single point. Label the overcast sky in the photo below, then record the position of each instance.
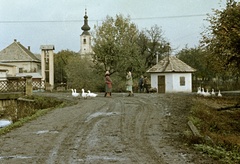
(39, 22)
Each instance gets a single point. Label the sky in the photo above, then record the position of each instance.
(58, 22)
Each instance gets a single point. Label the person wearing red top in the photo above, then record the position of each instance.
(108, 85)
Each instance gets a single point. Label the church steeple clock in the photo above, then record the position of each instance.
(85, 38)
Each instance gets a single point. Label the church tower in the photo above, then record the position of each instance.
(85, 38)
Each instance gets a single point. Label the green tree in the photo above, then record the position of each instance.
(222, 37)
(115, 46)
(61, 59)
(198, 59)
(81, 74)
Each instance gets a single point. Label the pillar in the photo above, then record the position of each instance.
(29, 86)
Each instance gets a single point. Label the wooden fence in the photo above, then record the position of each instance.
(18, 84)
(13, 85)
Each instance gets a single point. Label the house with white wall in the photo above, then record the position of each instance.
(18, 61)
(22, 58)
(171, 75)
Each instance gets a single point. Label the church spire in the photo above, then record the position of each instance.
(85, 27)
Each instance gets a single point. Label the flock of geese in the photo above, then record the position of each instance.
(83, 94)
(202, 92)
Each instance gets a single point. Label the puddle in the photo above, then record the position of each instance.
(46, 131)
(4, 123)
(14, 156)
(106, 158)
(97, 114)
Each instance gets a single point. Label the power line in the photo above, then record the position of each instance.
(168, 17)
(76, 21)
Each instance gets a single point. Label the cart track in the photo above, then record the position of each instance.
(103, 130)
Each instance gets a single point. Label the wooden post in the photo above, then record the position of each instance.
(29, 87)
(194, 129)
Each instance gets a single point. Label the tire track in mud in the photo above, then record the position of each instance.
(98, 144)
(87, 149)
(162, 145)
(68, 142)
(104, 130)
(125, 129)
(146, 117)
(148, 134)
(137, 133)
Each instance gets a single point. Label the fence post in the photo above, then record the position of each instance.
(29, 86)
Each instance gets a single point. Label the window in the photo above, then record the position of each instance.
(20, 70)
(182, 81)
(84, 41)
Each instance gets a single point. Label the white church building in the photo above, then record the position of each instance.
(85, 38)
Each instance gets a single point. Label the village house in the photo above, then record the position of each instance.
(171, 75)
(18, 61)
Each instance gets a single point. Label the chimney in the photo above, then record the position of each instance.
(29, 48)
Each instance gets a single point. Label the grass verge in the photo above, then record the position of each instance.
(220, 128)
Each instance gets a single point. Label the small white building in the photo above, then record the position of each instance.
(171, 75)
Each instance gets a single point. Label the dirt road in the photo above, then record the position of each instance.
(145, 129)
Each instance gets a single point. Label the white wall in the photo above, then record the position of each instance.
(12, 70)
(172, 82)
(188, 82)
(85, 48)
(27, 66)
(3, 75)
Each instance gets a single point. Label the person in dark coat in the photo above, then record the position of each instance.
(140, 84)
(145, 84)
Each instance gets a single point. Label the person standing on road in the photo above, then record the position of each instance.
(140, 84)
(129, 83)
(145, 84)
(108, 85)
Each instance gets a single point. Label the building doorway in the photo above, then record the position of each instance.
(161, 84)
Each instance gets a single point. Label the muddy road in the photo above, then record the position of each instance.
(144, 129)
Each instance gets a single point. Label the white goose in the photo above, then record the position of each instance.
(74, 93)
(199, 91)
(84, 95)
(213, 93)
(219, 94)
(91, 94)
(207, 93)
(203, 92)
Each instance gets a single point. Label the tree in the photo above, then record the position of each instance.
(81, 74)
(115, 45)
(153, 45)
(222, 37)
(61, 59)
(198, 59)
